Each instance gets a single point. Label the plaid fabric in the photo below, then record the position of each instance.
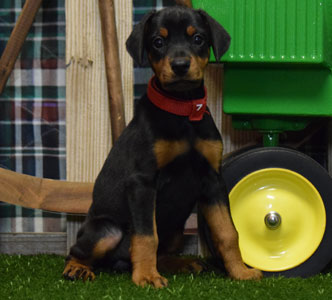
(32, 110)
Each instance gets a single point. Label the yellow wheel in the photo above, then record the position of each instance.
(281, 208)
(280, 217)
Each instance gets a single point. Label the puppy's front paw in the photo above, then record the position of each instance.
(153, 278)
(247, 274)
(75, 270)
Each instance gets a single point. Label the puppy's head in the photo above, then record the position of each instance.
(176, 42)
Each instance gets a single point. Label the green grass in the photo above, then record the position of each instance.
(39, 277)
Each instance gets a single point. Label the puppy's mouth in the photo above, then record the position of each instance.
(181, 84)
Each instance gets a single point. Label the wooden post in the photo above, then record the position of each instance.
(184, 3)
(16, 40)
(112, 63)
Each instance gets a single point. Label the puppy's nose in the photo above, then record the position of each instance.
(180, 66)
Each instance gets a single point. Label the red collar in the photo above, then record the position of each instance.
(194, 109)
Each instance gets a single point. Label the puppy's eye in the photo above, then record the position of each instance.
(158, 42)
(198, 39)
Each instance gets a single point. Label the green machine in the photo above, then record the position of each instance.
(278, 78)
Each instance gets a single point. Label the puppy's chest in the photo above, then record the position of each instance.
(167, 151)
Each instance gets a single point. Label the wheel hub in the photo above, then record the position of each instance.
(272, 220)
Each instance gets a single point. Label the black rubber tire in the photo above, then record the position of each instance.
(238, 166)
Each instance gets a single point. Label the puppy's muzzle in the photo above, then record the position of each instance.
(180, 66)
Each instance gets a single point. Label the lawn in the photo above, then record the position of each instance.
(39, 277)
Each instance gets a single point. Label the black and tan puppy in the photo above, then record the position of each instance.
(167, 160)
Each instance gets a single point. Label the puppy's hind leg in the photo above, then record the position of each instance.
(168, 260)
(226, 242)
(215, 210)
(97, 237)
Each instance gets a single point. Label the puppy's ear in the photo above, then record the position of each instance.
(220, 38)
(135, 42)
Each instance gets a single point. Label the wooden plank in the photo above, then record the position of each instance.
(42, 193)
(33, 243)
(55, 243)
(87, 107)
(190, 244)
(232, 139)
(74, 223)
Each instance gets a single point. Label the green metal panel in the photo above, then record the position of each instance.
(278, 68)
(275, 124)
(298, 92)
(327, 33)
(274, 31)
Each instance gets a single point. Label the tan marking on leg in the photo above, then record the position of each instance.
(191, 30)
(143, 252)
(166, 151)
(211, 150)
(106, 244)
(225, 238)
(76, 269)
